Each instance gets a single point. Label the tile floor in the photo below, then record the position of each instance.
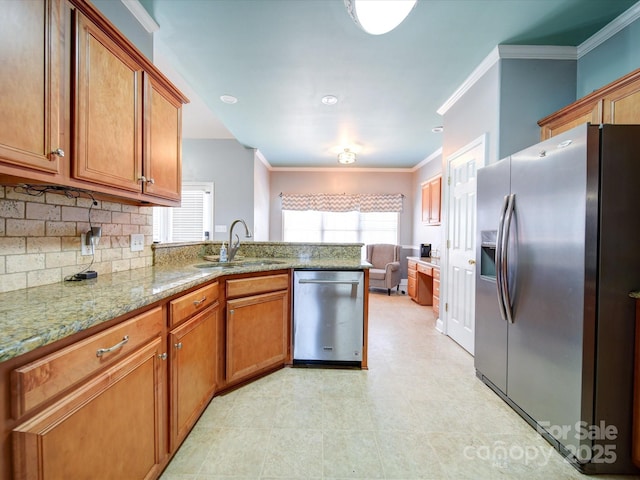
(419, 412)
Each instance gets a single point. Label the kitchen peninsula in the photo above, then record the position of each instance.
(143, 351)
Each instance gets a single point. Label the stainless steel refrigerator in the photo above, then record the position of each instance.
(558, 252)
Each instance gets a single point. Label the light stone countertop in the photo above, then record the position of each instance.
(635, 294)
(430, 261)
(34, 317)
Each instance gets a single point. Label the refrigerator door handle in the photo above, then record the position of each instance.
(498, 259)
(504, 263)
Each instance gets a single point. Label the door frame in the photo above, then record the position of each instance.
(482, 140)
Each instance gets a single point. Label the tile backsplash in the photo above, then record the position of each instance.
(40, 237)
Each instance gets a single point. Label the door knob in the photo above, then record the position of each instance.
(472, 262)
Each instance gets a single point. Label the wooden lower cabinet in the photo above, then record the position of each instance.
(192, 374)
(436, 292)
(257, 334)
(111, 427)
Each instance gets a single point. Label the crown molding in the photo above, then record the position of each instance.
(141, 14)
(342, 169)
(609, 30)
(258, 154)
(431, 157)
(530, 52)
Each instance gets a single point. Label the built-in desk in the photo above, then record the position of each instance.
(423, 281)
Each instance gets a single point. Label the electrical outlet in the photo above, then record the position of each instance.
(86, 249)
(137, 242)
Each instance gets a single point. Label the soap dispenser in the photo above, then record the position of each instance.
(223, 253)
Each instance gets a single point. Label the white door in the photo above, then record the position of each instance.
(461, 243)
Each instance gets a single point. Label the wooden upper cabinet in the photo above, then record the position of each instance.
(162, 164)
(108, 111)
(431, 203)
(83, 108)
(30, 84)
(617, 103)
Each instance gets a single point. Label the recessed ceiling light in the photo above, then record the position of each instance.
(437, 129)
(329, 100)
(230, 99)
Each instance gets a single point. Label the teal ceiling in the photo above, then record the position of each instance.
(280, 57)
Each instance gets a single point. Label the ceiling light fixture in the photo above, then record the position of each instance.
(230, 99)
(437, 129)
(346, 157)
(379, 16)
(329, 99)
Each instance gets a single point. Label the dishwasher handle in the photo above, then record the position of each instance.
(330, 282)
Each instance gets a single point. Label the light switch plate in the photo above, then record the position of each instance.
(137, 242)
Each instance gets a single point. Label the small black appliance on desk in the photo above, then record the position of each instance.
(425, 249)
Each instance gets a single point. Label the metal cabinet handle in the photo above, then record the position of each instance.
(142, 178)
(151, 181)
(199, 302)
(59, 152)
(162, 356)
(102, 351)
(330, 282)
(178, 345)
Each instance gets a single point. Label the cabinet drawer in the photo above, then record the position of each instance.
(436, 287)
(254, 285)
(436, 274)
(436, 306)
(425, 270)
(196, 301)
(411, 273)
(412, 265)
(40, 380)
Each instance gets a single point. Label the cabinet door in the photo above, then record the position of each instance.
(426, 202)
(256, 333)
(568, 119)
(434, 203)
(431, 192)
(111, 427)
(108, 146)
(193, 348)
(162, 153)
(623, 105)
(30, 84)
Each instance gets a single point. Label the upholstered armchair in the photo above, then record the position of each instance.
(385, 272)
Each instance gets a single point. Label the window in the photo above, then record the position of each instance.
(339, 227)
(193, 221)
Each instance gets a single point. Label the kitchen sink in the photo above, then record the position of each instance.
(247, 263)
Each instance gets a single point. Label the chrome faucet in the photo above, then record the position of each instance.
(233, 247)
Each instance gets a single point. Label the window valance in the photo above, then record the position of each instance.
(343, 202)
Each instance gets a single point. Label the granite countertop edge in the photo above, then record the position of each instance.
(430, 261)
(38, 316)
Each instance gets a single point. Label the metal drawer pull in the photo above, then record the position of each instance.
(162, 356)
(102, 351)
(178, 345)
(199, 302)
(332, 282)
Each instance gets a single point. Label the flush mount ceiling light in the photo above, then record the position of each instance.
(329, 100)
(230, 99)
(346, 157)
(379, 16)
(437, 129)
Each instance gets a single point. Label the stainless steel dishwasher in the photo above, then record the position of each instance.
(328, 317)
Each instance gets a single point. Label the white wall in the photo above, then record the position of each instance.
(262, 194)
(336, 181)
(230, 166)
(423, 233)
